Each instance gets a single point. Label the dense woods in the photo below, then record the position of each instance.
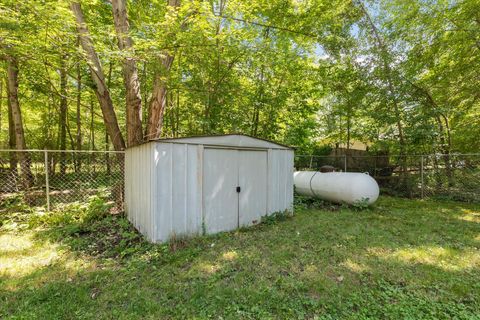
(399, 75)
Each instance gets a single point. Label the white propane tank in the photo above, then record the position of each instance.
(341, 187)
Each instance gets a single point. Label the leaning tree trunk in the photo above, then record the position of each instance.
(23, 157)
(98, 77)
(130, 74)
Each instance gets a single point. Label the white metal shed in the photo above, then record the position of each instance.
(190, 186)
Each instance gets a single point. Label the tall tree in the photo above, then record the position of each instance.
(63, 114)
(130, 74)
(156, 107)
(96, 71)
(17, 120)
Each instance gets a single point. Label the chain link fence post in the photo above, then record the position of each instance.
(345, 162)
(422, 181)
(47, 182)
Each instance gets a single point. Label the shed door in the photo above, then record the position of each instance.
(225, 206)
(220, 180)
(252, 177)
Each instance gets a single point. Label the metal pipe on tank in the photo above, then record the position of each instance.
(340, 187)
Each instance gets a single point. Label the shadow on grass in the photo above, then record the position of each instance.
(400, 259)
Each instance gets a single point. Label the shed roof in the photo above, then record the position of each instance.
(228, 140)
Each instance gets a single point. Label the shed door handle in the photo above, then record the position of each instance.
(239, 189)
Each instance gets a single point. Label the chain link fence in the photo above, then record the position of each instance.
(449, 176)
(54, 178)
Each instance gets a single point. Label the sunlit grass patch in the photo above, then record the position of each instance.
(472, 215)
(20, 255)
(401, 259)
(448, 259)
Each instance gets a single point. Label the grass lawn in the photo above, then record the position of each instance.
(403, 259)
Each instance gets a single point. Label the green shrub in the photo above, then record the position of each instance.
(14, 211)
(276, 217)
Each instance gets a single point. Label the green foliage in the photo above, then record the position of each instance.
(14, 211)
(276, 217)
(72, 213)
(361, 204)
(317, 74)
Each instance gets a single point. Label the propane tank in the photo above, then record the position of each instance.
(340, 187)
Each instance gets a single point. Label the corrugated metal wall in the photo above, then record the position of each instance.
(280, 180)
(177, 201)
(164, 181)
(138, 187)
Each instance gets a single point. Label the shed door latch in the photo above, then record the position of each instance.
(238, 189)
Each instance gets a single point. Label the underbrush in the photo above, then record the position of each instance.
(88, 228)
(14, 212)
(306, 203)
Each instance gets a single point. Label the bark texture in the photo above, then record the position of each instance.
(17, 121)
(98, 77)
(63, 115)
(156, 107)
(130, 74)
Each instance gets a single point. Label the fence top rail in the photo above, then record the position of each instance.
(385, 156)
(59, 151)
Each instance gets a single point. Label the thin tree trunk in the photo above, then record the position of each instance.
(78, 161)
(92, 136)
(23, 157)
(98, 77)
(130, 74)
(349, 125)
(1, 102)
(11, 136)
(92, 129)
(444, 132)
(63, 116)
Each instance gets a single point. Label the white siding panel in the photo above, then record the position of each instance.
(289, 172)
(219, 187)
(137, 188)
(154, 200)
(252, 179)
(280, 175)
(164, 191)
(127, 182)
(272, 181)
(193, 193)
(179, 189)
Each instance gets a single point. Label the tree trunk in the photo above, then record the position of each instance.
(92, 129)
(23, 157)
(11, 136)
(444, 132)
(130, 74)
(1, 103)
(63, 116)
(156, 107)
(98, 77)
(78, 139)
